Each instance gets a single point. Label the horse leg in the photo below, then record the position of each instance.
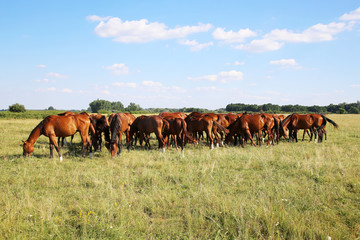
(120, 143)
(52, 147)
(54, 142)
(251, 139)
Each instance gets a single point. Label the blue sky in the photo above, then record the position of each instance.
(178, 54)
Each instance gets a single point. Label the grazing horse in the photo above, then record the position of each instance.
(172, 115)
(101, 125)
(178, 130)
(114, 144)
(249, 124)
(126, 120)
(294, 122)
(144, 125)
(67, 113)
(203, 123)
(60, 126)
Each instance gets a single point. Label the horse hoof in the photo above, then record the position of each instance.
(60, 158)
(90, 155)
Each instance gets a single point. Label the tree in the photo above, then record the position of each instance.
(100, 105)
(354, 110)
(133, 107)
(51, 108)
(342, 111)
(17, 108)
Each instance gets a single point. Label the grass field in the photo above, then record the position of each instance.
(289, 191)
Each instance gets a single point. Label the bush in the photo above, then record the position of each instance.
(17, 108)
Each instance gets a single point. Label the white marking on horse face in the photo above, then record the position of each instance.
(61, 158)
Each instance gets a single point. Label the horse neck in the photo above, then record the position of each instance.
(35, 134)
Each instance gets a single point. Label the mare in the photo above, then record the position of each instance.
(178, 130)
(172, 115)
(67, 113)
(248, 124)
(225, 120)
(114, 143)
(144, 125)
(101, 125)
(203, 123)
(60, 126)
(126, 120)
(315, 122)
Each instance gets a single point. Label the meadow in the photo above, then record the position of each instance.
(289, 191)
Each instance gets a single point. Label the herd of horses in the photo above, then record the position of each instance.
(174, 128)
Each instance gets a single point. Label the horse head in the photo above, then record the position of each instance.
(28, 148)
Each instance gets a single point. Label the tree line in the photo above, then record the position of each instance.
(342, 108)
(104, 106)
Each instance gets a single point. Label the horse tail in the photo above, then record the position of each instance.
(165, 127)
(331, 121)
(184, 128)
(221, 127)
(91, 127)
(115, 125)
(276, 127)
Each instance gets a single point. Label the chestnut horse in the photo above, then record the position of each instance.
(126, 120)
(144, 125)
(172, 115)
(294, 122)
(114, 144)
(199, 123)
(60, 126)
(249, 124)
(178, 130)
(101, 125)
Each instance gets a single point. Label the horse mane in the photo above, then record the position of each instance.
(115, 125)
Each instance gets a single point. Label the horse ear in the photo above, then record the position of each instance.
(23, 141)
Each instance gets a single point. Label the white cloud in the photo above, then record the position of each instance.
(233, 37)
(42, 66)
(236, 63)
(45, 80)
(260, 45)
(223, 77)
(66, 90)
(124, 85)
(51, 89)
(57, 75)
(316, 33)
(105, 92)
(151, 84)
(142, 30)
(195, 46)
(207, 89)
(286, 63)
(353, 15)
(94, 18)
(117, 69)
(355, 85)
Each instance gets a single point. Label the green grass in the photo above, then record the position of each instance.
(289, 191)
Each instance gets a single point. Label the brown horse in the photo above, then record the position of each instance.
(61, 140)
(126, 120)
(178, 131)
(144, 125)
(60, 126)
(114, 143)
(249, 124)
(172, 115)
(101, 125)
(294, 122)
(201, 122)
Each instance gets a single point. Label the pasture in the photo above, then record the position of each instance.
(289, 191)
